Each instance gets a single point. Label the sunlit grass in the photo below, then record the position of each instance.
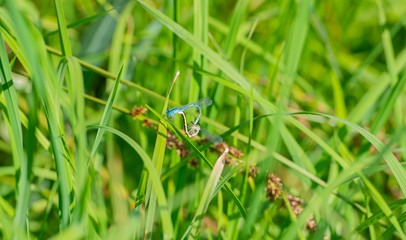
(308, 97)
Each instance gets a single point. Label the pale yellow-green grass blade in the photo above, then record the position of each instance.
(157, 159)
(193, 230)
(74, 75)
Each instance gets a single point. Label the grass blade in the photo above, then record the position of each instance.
(157, 159)
(153, 177)
(105, 118)
(12, 117)
(80, 22)
(44, 85)
(209, 190)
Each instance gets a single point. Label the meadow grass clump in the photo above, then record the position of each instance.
(299, 132)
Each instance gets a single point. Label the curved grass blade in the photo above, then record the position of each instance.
(153, 176)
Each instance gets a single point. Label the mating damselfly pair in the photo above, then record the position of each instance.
(193, 128)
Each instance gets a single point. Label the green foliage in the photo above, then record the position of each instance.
(308, 97)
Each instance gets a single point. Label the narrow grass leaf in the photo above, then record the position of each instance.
(153, 176)
(193, 230)
(80, 22)
(12, 117)
(105, 118)
(388, 104)
(43, 79)
(63, 31)
(157, 159)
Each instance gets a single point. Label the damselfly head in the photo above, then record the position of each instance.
(170, 116)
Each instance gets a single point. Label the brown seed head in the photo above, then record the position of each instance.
(138, 111)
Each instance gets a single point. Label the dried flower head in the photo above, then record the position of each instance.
(221, 146)
(297, 207)
(252, 170)
(147, 123)
(296, 203)
(228, 160)
(194, 163)
(182, 152)
(311, 223)
(274, 187)
(138, 111)
(236, 152)
(171, 140)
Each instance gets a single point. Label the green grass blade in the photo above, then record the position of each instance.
(75, 85)
(397, 169)
(157, 159)
(389, 104)
(44, 83)
(379, 215)
(387, 44)
(106, 115)
(107, 74)
(12, 117)
(77, 92)
(236, 20)
(63, 31)
(80, 22)
(200, 31)
(153, 176)
(198, 45)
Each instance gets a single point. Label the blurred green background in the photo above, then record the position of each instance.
(308, 97)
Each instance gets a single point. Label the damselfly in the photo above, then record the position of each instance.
(193, 129)
(202, 103)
